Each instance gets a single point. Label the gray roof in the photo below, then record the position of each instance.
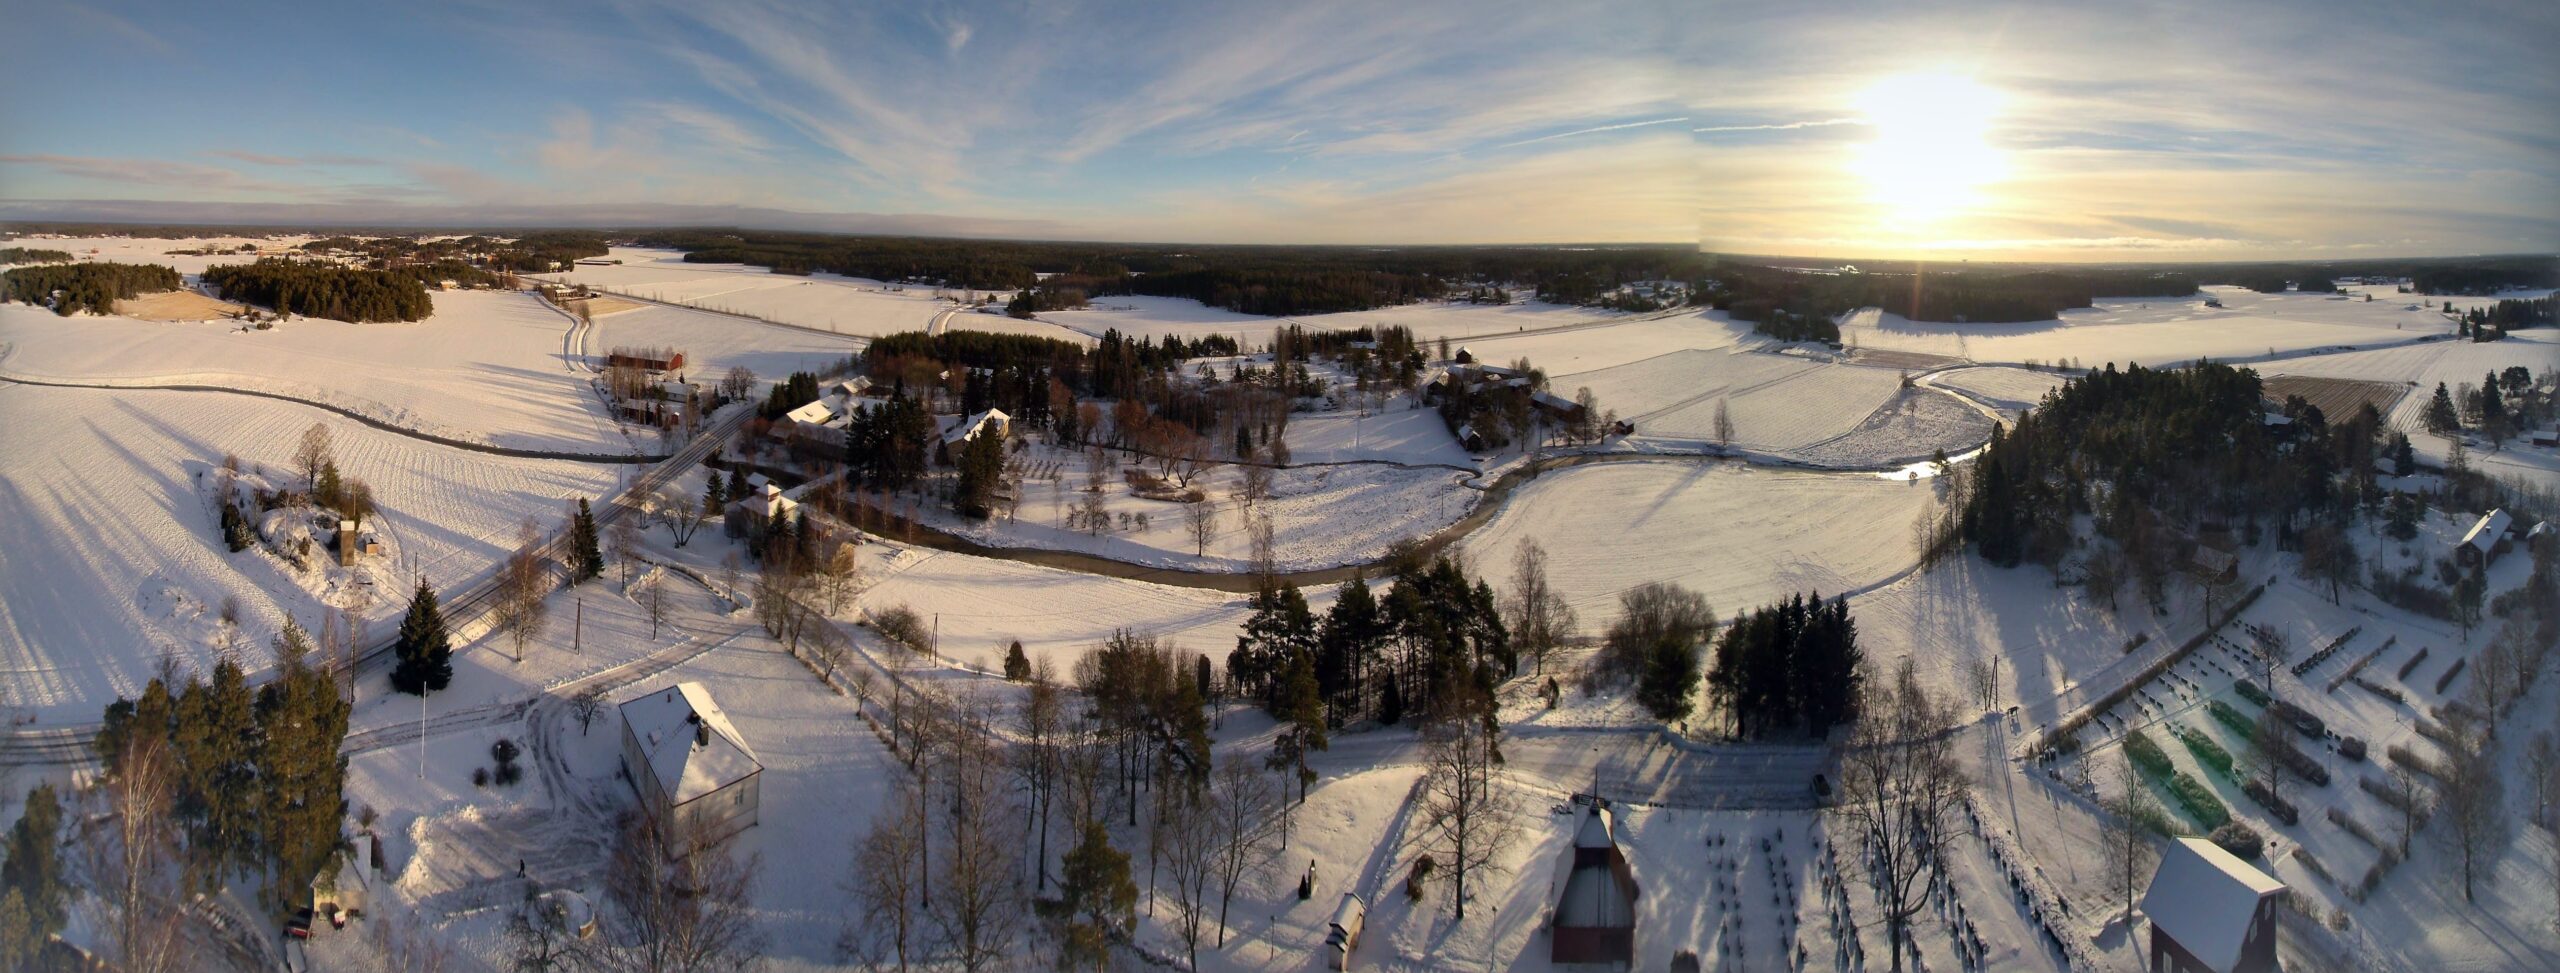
(2206, 898)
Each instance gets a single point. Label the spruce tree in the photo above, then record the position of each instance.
(715, 494)
(31, 864)
(2441, 416)
(587, 561)
(1096, 899)
(302, 724)
(737, 483)
(424, 650)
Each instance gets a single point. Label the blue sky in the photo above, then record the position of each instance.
(2154, 129)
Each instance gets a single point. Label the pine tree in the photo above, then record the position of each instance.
(31, 866)
(2441, 416)
(588, 561)
(1017, 666)
(1347, 650)
(302, 725)
(1299, 706)
(1096, 899)
(981, 469)
(737, 483)
(715, 494)
(424, 650)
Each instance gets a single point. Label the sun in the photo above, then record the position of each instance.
(1932, 150)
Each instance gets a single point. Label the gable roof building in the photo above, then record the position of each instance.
(2486, 539)
(2210, 912)
(688, 761)
(1594, 923)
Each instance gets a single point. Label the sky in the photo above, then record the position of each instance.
(2129, 130)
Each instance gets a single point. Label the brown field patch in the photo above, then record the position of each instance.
(2338, 398)
(600, 306)
(176, 306)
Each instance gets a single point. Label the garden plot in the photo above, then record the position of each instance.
(1322, 516)
(1404, 433)
(712, 343)
(1742, 536)
(982, 605)
(109, 554)
(487, 367)
(2160, 332)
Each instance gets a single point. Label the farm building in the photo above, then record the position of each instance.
(686, 759)
(2210, 912)
(1469, 439)
(675, 360)
(1556, 407)
(1594, 924)
(2481, 545)
(2546, 437)
(963, 429)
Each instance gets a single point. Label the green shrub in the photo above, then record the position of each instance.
(2146, 754)
(2239, 839)
(2251, 692)
(2199, 802)
(2207, 752)
(2232, 717)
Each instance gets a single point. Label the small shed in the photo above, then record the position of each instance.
(1342, 934)
(687, 761)
(2210, 912)
(1469, 439)
(1594, 923)
(2546, 437)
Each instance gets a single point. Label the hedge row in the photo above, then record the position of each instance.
(2251, 692)
(2207, 752)
(2232, 717)
(2146, 754)
(2281, 808)
(2198, 800)
(2412, 665)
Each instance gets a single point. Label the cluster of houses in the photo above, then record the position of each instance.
(822, 423)
(657, 400)
(2492, 536)
(1468, 377)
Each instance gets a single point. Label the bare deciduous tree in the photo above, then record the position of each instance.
(2475, 797)
(586, 705)
(680, 900)
(1541, 620)
(655, 602)
(1900, 787)
(1253, 484)
(1188, 835)
(134, 866)
(681, 512)
(1464, 810)
(839, 574)
(887, 878)
(524, 591)
(622, 541)
(1201, 517)
(2125, 823)
(1245, 806)
(1035, 758)
(1724, 424)
(737, 383)
(312, 453)
(979, 905)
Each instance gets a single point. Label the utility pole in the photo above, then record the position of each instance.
(578, 635)
(935, 651)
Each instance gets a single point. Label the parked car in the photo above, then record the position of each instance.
(299, 927)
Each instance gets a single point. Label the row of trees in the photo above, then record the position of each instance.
(1436, 632)
(1794, 665)
(1802, 303)
(323, 290)
(93, 287)
(33, 255)
(219, 775)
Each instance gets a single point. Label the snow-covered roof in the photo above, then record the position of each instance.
(815, 413)
(2485, 534)
(687, 766)
(1554, 401)
(2207, 899)
(968, 426)
(1599, 888)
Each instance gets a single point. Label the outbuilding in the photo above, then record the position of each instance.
(2487, 539)
(1594, 923)
(688, 763)
(2210, 912)
(1342, 934)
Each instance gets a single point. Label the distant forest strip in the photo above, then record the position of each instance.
(27, 255)
(324, 290)
(86, 287)
(1252, 280)
(1799, 306)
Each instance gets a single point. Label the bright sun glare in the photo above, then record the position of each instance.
(1932, 152)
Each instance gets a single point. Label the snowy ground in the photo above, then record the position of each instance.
(845, 305)
(2162, 331)
(1152, 317)
(1743, 537)
(486, 367)
(109, 554)
(1321, 516)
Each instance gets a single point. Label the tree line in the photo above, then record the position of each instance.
(1758, 293)
(33, 255)
(323, 290)
(92, 287)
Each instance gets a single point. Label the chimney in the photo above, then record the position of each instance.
(701, 730)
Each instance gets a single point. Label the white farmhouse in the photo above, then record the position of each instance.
(687, 761)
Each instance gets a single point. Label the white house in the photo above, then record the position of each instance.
(687, 761)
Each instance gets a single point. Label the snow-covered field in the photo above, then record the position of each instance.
(1321, 516)
(2161, 331)
(1147, 317)
(826, 302)
(1743, 537)
(109, 554)
(712, 343)
(486, 367)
